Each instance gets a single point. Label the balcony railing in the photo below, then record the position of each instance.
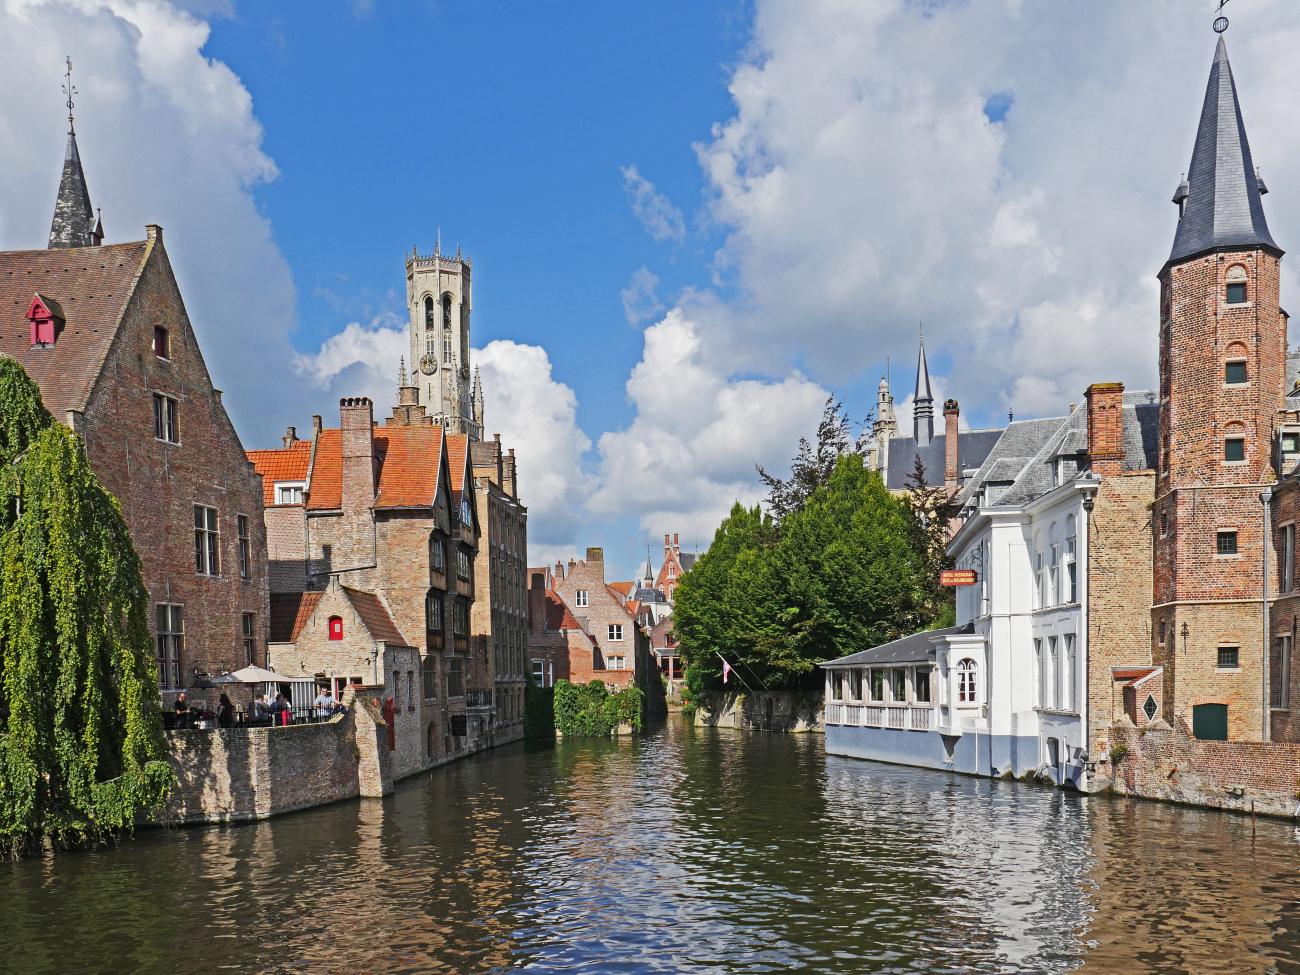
(903, 717)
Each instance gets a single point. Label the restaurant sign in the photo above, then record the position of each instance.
(958, 577)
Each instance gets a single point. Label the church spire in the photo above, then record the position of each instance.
(1219, 202)
(476, 406)
(923, 401)
(74, 223)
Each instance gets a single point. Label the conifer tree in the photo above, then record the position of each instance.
(81, 743)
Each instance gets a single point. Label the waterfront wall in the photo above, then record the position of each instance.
(240, 774)
(1167, 763)
(788, 711)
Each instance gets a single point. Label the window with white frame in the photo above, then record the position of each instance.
(617, 663)
(966, 674)
(921, 685)
(876, 681)
(245, 548)
(207, 542)
(855, 685)
(898, 685)
(837, 685)
(1053, 573)
(289, 492)
(539, 672)
(247, 625)
(1067, 672)
(615, 631)
(1055, 663)
(1040, 673)
(1071, 563)
(582, 598)
(165, 411)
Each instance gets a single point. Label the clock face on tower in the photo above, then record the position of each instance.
(428, 364)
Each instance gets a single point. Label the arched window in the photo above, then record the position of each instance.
(966, 681)
(1235, 292)
(1054, 561)
(1235, 357)
(428, 311)
(336, 627)
(1071, 594)
(1234, 443)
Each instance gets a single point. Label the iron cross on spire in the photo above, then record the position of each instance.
(69, 89)
(1220, 22)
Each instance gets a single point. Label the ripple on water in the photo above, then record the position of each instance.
(687, 851)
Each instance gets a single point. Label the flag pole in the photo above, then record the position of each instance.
(737, 673)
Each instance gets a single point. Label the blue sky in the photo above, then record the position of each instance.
(507, 126)
(690, 221)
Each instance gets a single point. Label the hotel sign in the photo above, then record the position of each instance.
(958, 577)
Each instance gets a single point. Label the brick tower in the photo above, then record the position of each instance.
(1222, 375)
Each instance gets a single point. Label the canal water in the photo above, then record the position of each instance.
(690, 850)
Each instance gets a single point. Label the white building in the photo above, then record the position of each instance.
(1006, 689)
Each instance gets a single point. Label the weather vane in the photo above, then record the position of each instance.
(69, 89)
(1221, 22)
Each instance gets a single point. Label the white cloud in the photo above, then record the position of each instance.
(661, 219)
(860, 185)
(640, 297)
(167, 135)
(690, 451)
(537, 416)
(361, 360)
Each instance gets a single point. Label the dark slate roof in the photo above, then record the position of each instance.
(972, 447)
(922, 376)
(687, 560)
(92, 286)
(74, 221)
(1223, 207)
(1014, 448)
(910, 649)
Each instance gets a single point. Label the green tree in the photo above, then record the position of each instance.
(707, 618)
(81, 743)
(813, 463)
(931, 510)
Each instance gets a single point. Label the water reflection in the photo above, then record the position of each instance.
(688, 851)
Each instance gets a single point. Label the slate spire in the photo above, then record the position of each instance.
(923, 401)
(1219, 201)
(75, 223)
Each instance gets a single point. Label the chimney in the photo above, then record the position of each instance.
(501, 467)
(357, 419)
(677, 547)
(316, 424)
(537, 602)
(153, 232)
(513, 474)
(1105, 428)
(668, 545)
(290, 436)
(559, 569)
(951, 472)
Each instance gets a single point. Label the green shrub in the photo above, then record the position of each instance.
(591, 711)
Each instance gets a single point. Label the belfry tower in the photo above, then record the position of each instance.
(439, 297)
(1223, 346)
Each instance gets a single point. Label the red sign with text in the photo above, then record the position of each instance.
(958, 577)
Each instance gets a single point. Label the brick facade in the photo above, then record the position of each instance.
(101, 377)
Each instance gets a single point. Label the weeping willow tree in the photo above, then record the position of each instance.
(81, 743)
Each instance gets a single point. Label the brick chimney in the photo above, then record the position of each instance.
(316, 425)
(357, 419)
(537, 602)
(668, 545)
(677, 546)
(951, 472)
(290, 436)
(1105, 428)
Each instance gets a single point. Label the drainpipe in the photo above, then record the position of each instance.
(1265, 499)
(1083, 565)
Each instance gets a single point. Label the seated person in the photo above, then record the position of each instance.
(184, 715)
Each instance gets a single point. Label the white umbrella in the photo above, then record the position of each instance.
(257, 675)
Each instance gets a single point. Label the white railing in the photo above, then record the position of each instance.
(901, 717)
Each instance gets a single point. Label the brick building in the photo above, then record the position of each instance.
(675, 565)
(103, 331)
(385, 518)
(500, 615)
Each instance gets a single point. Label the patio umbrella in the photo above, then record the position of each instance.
(253, 674)
(202, 684)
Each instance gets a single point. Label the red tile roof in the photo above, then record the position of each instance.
(408, 460)
(558, 616)
(624, 589)
(1131, 674)
(282, 464)
(290, 612)
(457, 449)
(92, 285)
(375, 616)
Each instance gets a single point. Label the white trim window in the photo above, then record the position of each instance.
(1054, 688)
(967, 671)
(582, 598)
(1067, 672)
(289, 492)
(1040, 672)
(1071, 563)
(245, 547)
(165, 412)
(615, 632)
(1040, 586)
(171, 643)
(618, 663)
(207, 541)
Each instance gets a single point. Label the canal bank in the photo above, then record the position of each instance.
(685, 850)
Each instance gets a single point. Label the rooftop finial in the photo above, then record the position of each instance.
(401, 371)
(69, 89)
(1221, 22)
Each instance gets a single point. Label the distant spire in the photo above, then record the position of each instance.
(1219, 201)
(401, 371)
(923, 401)
(74, 223)
(476, 406)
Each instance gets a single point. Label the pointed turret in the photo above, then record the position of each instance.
(1219, 202)
(923, 401)
(477, 404)
(647, 572)
(74, 223)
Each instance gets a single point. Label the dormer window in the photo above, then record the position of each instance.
(45, 317)
(162, 346)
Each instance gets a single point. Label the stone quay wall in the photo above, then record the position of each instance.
(785, 711)
(235, 775)
(1166, 763)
